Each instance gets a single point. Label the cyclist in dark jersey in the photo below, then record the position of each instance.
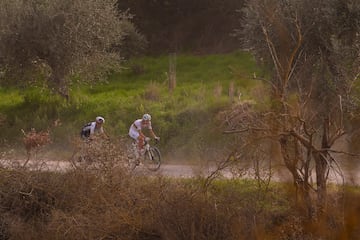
(92, 128)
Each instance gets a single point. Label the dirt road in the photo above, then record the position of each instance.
(350, 176)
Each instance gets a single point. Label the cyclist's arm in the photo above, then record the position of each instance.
(141, 134)
(103, 133)
(153, 134)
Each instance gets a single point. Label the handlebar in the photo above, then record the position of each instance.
(147, 140)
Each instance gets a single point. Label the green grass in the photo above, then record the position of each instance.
(192, 69)
(9, 98)
(178, 117)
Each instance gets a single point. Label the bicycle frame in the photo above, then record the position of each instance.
(150, 156)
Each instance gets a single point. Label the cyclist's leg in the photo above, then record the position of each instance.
(135, 136)
(141, 143)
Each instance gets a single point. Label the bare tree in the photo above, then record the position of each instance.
(53, 40)
(313, 69)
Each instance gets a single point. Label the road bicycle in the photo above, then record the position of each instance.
(85, 153)
(95, 153)
(150, 156)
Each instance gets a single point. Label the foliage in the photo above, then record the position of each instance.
(202, 26)
(53, 40)
(314, 70)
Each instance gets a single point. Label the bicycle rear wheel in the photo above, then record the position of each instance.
(152, 159)
(131, 155)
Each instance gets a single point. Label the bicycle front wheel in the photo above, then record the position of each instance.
(152, 159)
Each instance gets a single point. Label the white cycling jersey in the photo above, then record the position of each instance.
(136, 127)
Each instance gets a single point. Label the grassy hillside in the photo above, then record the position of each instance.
(183, 118)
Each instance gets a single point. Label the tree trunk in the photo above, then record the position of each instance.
(302, 186)
(321, 166)
(58, 82)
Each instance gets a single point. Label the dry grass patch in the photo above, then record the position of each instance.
(84, 204)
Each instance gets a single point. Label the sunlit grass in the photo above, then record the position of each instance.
(9, 98)
(141, 87)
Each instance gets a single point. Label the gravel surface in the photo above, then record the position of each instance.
(351, 175)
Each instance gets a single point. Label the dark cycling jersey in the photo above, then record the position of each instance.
(89, 129)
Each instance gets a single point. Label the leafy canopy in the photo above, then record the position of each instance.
(52, 40)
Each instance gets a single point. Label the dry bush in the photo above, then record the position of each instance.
(184, 212)
(82, 204)
(4, 227)
(34, 140)
(99, 153)
(24, 195)
(351, 228)
(93, 207)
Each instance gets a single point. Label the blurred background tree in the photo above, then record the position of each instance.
(60, 38)
(201, 26)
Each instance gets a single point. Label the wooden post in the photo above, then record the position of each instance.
(218, 90)
(231, 91)
(172, 71)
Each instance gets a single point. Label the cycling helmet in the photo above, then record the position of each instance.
(100, 119)
(146, 117)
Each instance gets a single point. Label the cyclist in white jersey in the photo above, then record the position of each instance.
(136, 133)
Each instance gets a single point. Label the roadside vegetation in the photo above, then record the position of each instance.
(116, 205)
(282, 97)
(181, 117)
(110, 203)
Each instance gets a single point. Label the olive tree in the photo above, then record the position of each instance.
(57, 39)
(312, 51)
